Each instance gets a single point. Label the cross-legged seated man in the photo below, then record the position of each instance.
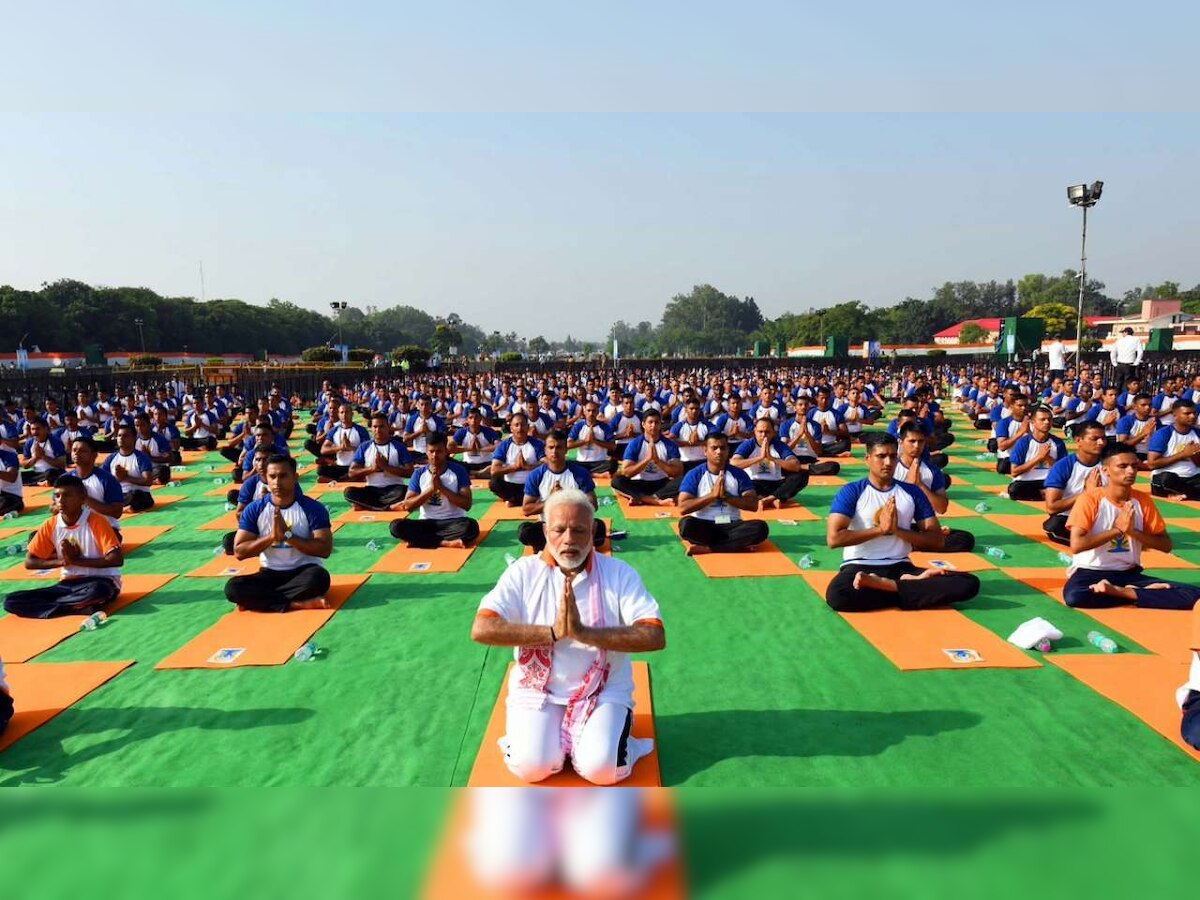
(711, 500)
(1071, 476)
(42, 455)
(12, 489)
(384, 463)
(913, 468)
(555, 474)
(777, 473)
(156, 447)
(572, 617)
(1172, 453)
(343, 442)
(651, 470)
(592, 441)
(803, 437)
(1031, 456)
(441, 490)
(877, 522)
(291, 536)
(252, 488)
(84, 545)
(1109, 526)
(513, 459)
(835, 439)
(476, 442)
(132, 469)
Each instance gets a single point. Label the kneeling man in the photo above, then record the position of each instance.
(711, 499)
(878, 521)
(573, 616)
(291, 536)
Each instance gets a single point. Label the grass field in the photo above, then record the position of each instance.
(760, 685)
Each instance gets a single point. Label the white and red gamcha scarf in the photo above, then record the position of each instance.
(535, 664)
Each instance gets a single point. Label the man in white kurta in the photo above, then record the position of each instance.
(572, 617)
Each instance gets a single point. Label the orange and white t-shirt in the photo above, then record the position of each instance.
(1096, 513)
(92, 533)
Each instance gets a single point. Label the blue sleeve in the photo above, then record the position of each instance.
(533, 481)
(500, 454)
(1125, 426)
(246, 491)
(845, 501)
(586, 483)
(144, 461)
(248, 520)
(409, 422)
(745, 449)
(461, 475)
(1159, 441)
(1017, 453)
(360, 454)
(744, 482)
(460, 436)
(691, 481)
(923, 508)
(719, 422)
(674, 430)
(318, 515)
(632, 449)
(1060, 473)
(672, 449)
(403, 457)
(107, 464)
(839, 417)
(938, 482)
(57, 446)
(1000, 429)
(414, 483)
(538, 447)
(1061, 445)
(784, 451)
(112, 489)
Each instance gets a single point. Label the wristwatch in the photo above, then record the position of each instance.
(288, 535)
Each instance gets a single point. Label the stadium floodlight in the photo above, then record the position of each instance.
(1084, 196)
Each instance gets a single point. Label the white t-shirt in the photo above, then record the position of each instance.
(861, 502)
(1058, 355)
(528, 593)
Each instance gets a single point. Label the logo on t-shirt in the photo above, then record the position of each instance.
(1119, 544)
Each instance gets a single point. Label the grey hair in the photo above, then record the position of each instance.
(568, 497)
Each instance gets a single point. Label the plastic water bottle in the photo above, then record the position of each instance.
(509, 559)
(1103, 641)
(12, 549)
(94, 621)
(806, 562)
(995, 552)
(210, 468)
(372, 546)
(1066, 559)
(981, 507)
(306, 651)
(606, 501)
(218, 481)
(218, 550)
(11, 514)
(618, 535)
(230, 507)
(1044, 645)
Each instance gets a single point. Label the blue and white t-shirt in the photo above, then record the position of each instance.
(686, 431)
(10, 463)
(453, 478)
(861, 502)
(1130, 425)
(506, 453)
(700, 481)
(136, 464)
(1068, 475)
(52, 448)
(420, 427)
(254, 487)
(304, 517)
(829, 419)
(394, 454)
(1168, 442)
(470, 442)
(639, 449)
(103, 488)
(542, 481)
(1026, 448)
(766, 469)
(346, 440)
(931, 476)
(591, 453)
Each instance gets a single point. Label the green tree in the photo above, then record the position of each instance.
(973, 333)
(539, 345)
(1059, 317)
(708, 321)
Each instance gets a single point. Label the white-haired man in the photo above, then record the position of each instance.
(571, 692)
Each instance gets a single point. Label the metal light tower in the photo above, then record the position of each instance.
(1084, 196)
(141, 334)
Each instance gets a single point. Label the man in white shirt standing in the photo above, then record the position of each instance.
(573, 616)
(1126, 356)
(1057, 354)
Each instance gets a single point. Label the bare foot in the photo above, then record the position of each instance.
(1101, 586)
(315, 603)
(769, 503)
(635, 500)
(356, 507)
(696, 550)
(867, 580)
(511, 504)
(928, 573)
(1178, 498)
(1157, 586)
(456, 544)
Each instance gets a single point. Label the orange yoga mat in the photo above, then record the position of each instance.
(40, 691)
(403, 560)
(1183, 523)
(792, 512)
(635, 513)
(826, 481)
(35, 502)
(134, 536)
(961, 562)
(227, 521)
(451, 877)
(502, 512)
(160, 500)
(1144, 685)
(6, 533)
(23, 639)
(914, 641)
(177, 476)
(331, 487)
(763, 561)
(367, 516)
(222, 490)
(1162, 631)
(489, 769)
(241, 638)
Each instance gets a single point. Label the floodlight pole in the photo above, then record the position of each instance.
(1082, 286)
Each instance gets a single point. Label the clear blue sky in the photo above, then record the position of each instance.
(292, 149)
